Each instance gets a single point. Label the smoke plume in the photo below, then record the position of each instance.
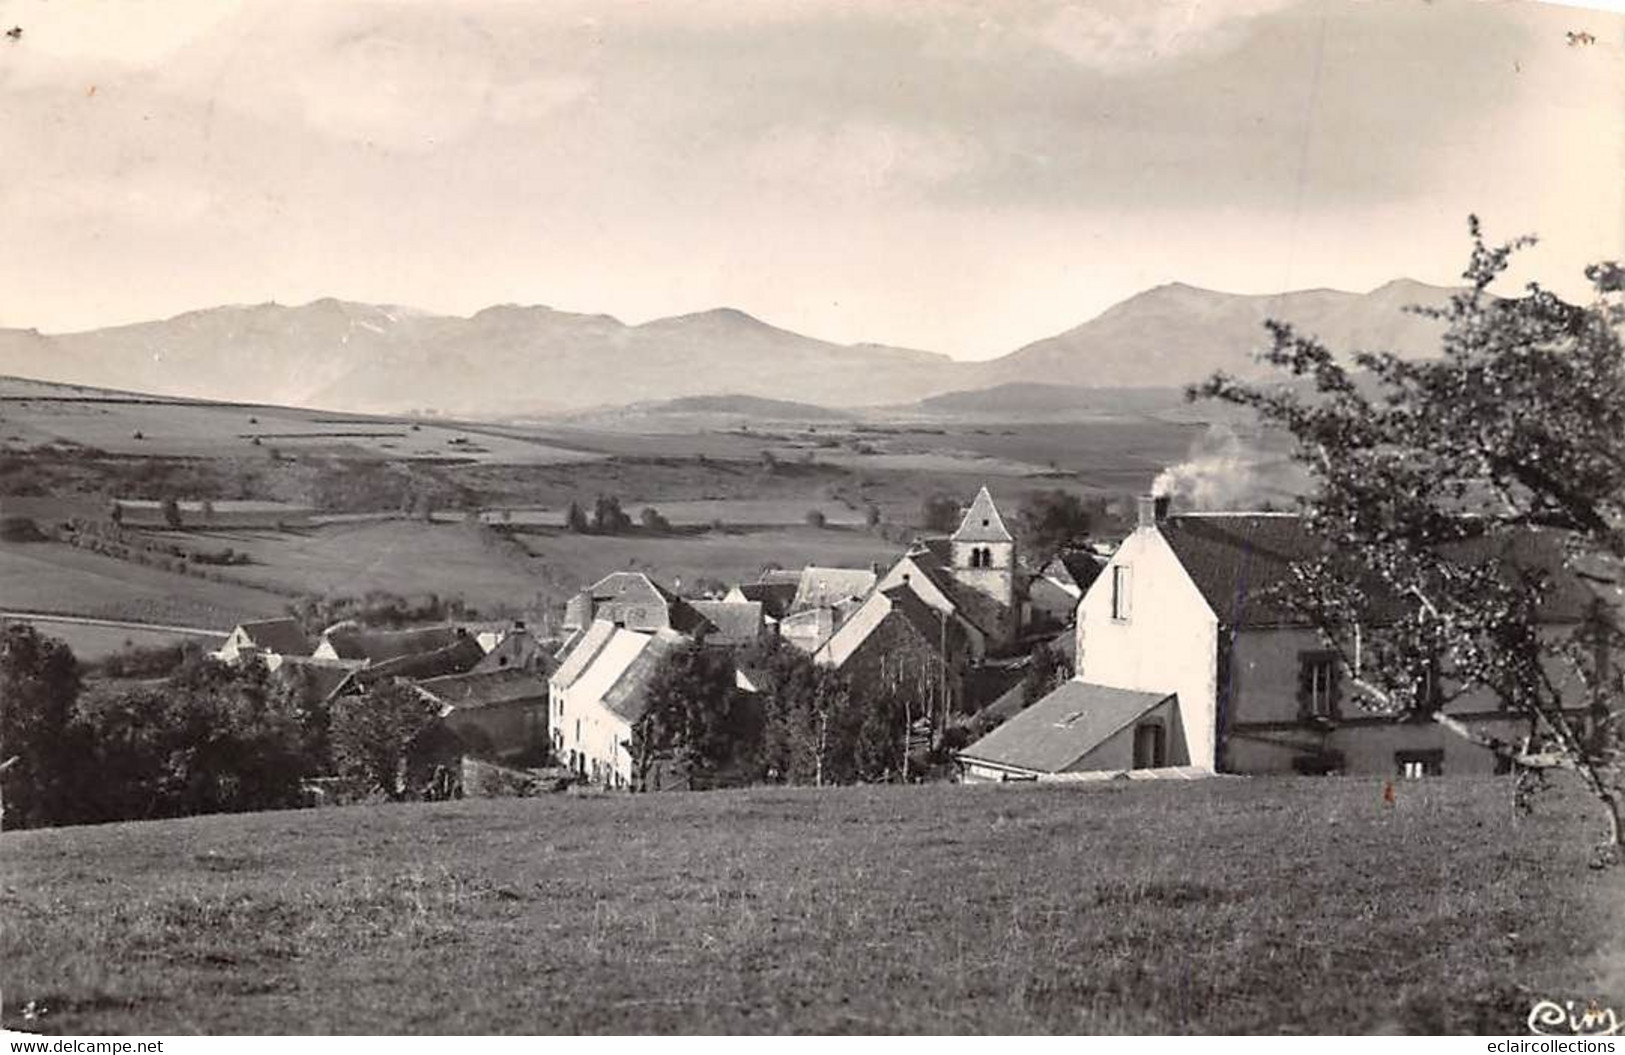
(1225, 471)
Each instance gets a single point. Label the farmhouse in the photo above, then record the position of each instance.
(270, 640)
(625, 598)
(598, 693)
(1240, 684)
(775, 597)
(498, 714)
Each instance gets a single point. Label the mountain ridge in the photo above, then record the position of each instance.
(517, 359)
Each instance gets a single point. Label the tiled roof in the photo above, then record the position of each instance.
(284, 637)
(1081, 566)
(488, 689)
(982, 522)
(1063, 727)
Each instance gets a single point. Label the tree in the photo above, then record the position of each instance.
(115, 514)
(1047, 670)
(871, 515)
(207, 509)
(1461, 498)
(693, 716)
(172, 512)
(39, 684)
(808, 717)
(607, 516)
(653, 522)
(940, 513)
(1049, 521)
(373, 735)
(575, 520)
(816, 518)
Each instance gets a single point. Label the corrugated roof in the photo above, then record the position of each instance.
(982, 522)
(580, 656)
(1063, 727)
(487, 689)
(284, 637)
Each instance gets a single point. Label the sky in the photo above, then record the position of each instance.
(957, 176)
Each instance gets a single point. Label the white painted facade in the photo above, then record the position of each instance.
(1164, 640)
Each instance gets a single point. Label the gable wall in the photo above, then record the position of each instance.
(1169, 643)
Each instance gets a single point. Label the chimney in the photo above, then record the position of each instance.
(1153, 510)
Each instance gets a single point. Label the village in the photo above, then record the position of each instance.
(1167, 654)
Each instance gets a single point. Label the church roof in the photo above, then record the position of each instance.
(982, 522)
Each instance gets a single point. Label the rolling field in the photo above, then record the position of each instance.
(91, 642)
(34, 413)
(56, 578)
(1249, 906)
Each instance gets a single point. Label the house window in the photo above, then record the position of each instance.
(1317, 685)
(1150, 746)
(578, 730)
(1122, 590)
(1414, 765)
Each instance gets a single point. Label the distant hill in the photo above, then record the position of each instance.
(1027, 397)
(1176, 334)
(742, 406)
(511, 360)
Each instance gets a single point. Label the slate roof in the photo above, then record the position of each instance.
(1081, 566)
(942, 635)
(487, 689)
(779, 576)
(377, 646)
(519, 650)
(284, 637)
(729, 622)
(933, 558)
(774, 597)
(982, 522)
(1063, 727)
(819, 587)
(580, 657)
(626, 697)
(1234, 558)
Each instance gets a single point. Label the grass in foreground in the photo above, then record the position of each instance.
(1218, 906)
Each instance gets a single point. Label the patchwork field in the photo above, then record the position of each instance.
(34, 413)
(91, 642)
(1249, 906)
(56, 578)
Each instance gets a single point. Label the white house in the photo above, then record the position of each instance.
(597, 694)
(1186, 617)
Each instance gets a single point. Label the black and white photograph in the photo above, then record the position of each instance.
(896, 518)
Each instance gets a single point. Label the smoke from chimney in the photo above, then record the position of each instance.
(1226, 472)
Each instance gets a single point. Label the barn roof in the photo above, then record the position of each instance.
(284, 637)
(486, 689)
(377, 646)
(729, 622)
(1059, 730)
(982, 522)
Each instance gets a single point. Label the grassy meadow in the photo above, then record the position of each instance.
(1233, 905)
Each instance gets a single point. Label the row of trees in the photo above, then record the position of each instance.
(805, 725)
(209, 738)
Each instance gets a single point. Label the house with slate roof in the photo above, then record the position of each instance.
(1187, 657)
(597, 694)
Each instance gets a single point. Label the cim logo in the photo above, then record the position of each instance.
(1551, 1019)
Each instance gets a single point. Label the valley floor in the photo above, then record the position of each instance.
(1298, 905)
